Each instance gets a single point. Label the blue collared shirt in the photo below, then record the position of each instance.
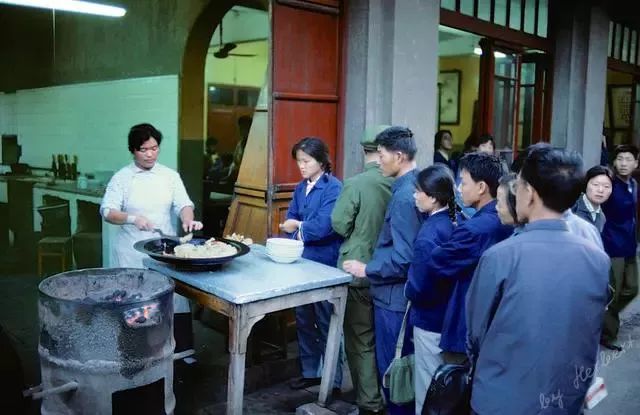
(321, 243)
(387, 270)
(456, 260)
(619, 233)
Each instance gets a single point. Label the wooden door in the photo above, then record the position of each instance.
(303, 100)
(305, 88)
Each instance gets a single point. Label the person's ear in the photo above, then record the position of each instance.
(482, 188)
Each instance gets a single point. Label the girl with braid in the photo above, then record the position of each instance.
(434, 196)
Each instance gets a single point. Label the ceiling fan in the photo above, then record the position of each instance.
(224, 49)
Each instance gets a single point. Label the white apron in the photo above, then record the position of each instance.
(145, 197)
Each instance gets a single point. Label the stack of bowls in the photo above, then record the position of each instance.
(284, 251)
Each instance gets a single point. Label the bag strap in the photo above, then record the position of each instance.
(400, 341)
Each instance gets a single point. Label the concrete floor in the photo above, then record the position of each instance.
(621, 370)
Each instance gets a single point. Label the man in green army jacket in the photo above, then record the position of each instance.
(358, 216)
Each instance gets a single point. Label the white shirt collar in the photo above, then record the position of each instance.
(439, 210)
(137, 169)
(590, 206)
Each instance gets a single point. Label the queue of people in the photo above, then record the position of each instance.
(471, 288)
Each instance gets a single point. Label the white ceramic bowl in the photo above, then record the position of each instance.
(284, 243)
(284, 247)
(283, 259)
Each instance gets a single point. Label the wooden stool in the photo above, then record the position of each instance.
(55, 246)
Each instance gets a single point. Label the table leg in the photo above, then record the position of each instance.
(239, 328)
(333, 347)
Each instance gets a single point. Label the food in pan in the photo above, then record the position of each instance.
(210, 249)
(240, 238)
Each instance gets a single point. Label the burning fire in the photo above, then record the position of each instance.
(144, 316)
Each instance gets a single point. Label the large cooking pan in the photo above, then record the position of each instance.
(161, 249)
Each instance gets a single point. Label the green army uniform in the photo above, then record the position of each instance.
(358, 216)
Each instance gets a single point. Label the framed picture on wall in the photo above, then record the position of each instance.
(620, 106)
(449, 97)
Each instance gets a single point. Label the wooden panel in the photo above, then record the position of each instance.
(253, 169)
(279, 214)
(297, 119)
(308, 62)
(248, 216)
(323, 6)
(306, 89)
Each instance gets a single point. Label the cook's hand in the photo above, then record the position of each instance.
(355, 268)
(290, 225)
(191, 226)
(143, 223)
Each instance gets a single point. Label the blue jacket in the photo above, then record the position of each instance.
(619, 233)
(387, 270)
(456, 260)
(321, 243)
(534, 315)
(429, 296)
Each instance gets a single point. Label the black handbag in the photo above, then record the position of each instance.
(450, 390)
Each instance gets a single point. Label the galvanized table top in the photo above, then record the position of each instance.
(255, 277)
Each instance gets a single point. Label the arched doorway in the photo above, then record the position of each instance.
(191, 120)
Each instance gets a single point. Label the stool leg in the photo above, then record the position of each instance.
(39, 263)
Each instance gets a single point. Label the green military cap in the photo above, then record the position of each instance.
(368, 140)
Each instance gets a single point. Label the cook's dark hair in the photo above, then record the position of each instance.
(626, 148)
(556, 175)
(398, 139)
(316, 148)
(505, 183)
(140, 133)
(437, 141)
(483, 167)
(437, 181)
(597, 171)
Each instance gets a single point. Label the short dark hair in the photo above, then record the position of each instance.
(597, 171)
(437, 141)
(485, 138)
(398, 139)
(505, 183)
(483, 167)
(437, 181)
(626, 148)
(556, 175)
(140, 133)
(316, 148)
(212, 141)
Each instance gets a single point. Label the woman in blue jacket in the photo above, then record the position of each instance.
(434, 196)
(309, 220)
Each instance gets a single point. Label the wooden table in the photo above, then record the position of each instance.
(251, 286)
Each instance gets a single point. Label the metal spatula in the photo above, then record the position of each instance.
(182, 239)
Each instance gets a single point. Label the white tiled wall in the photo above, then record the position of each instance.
(91, 120)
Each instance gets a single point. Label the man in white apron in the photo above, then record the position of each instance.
(143, 196)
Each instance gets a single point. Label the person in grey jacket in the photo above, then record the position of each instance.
(533, 327)
(597, 189)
